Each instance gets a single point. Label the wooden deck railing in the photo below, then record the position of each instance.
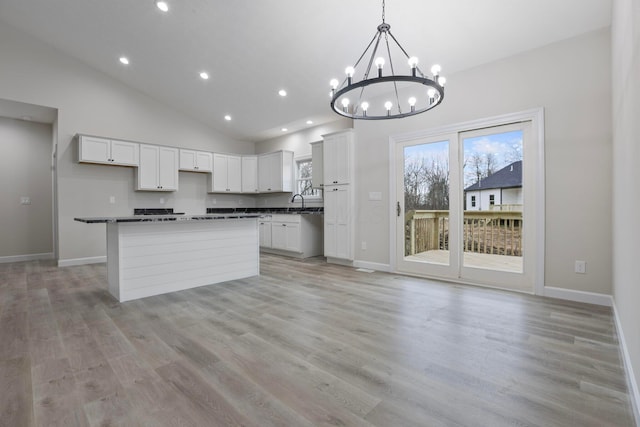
(489, 232)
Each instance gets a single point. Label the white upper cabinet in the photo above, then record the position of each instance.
(196, 161)
(317, 157)
(338, 158)
(108, 151)
(158, 170)
(249, 174)
(275, 172)
(227, 174)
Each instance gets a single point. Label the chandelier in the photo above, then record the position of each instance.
(364, 99)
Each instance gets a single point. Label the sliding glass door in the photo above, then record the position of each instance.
(425, 212)
(465, 206)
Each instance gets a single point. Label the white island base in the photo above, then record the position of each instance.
(151, 258)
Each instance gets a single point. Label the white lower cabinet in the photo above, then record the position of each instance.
(265, 232)
(286, 236)
(295, 235)
(337, 222)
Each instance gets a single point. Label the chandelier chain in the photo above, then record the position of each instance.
(383, 11)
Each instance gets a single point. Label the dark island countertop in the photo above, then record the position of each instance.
(163, 218)
(268, 211)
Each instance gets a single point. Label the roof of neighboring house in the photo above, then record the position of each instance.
(509, 176)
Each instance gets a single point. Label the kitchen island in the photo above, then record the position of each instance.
(152, 255)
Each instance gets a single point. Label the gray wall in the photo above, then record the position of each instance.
(626, 174)
(571, 81)
(90, 102)
(25, 171)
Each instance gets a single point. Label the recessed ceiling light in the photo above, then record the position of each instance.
(162, 5)
(309, 122)
(124, 60)
(227, 117)
(282, 92)
(204, 75)
(284, 129)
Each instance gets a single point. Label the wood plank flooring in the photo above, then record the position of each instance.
(303, 344)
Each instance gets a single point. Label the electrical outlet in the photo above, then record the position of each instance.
(581, 267)
(240, 201)
(112, 199)
(162, 200)
(25, 200)
(214, 201)
(364, 246)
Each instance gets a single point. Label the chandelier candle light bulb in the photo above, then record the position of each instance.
(431, 93)
(413, 63)
(412, 82)
(412, 103)
(345, 104)
(388, 106)
(365, 107)
(349, 72)
(380, 64)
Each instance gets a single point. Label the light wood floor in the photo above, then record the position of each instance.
(304, 344)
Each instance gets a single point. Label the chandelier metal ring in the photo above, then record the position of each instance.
(386, 79)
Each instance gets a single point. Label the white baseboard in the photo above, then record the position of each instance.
(28, 257)
(634, 392)
(372, 266)
(578, 296)
(81, 261)
(340, 261)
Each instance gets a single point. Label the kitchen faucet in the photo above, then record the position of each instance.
(296, 195)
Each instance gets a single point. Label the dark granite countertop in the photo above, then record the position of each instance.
(267, 210)
(163, 218)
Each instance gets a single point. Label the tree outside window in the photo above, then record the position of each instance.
(304, 173)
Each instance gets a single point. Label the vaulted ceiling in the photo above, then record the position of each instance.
(253, 48)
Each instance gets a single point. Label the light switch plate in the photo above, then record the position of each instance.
(25, 200)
